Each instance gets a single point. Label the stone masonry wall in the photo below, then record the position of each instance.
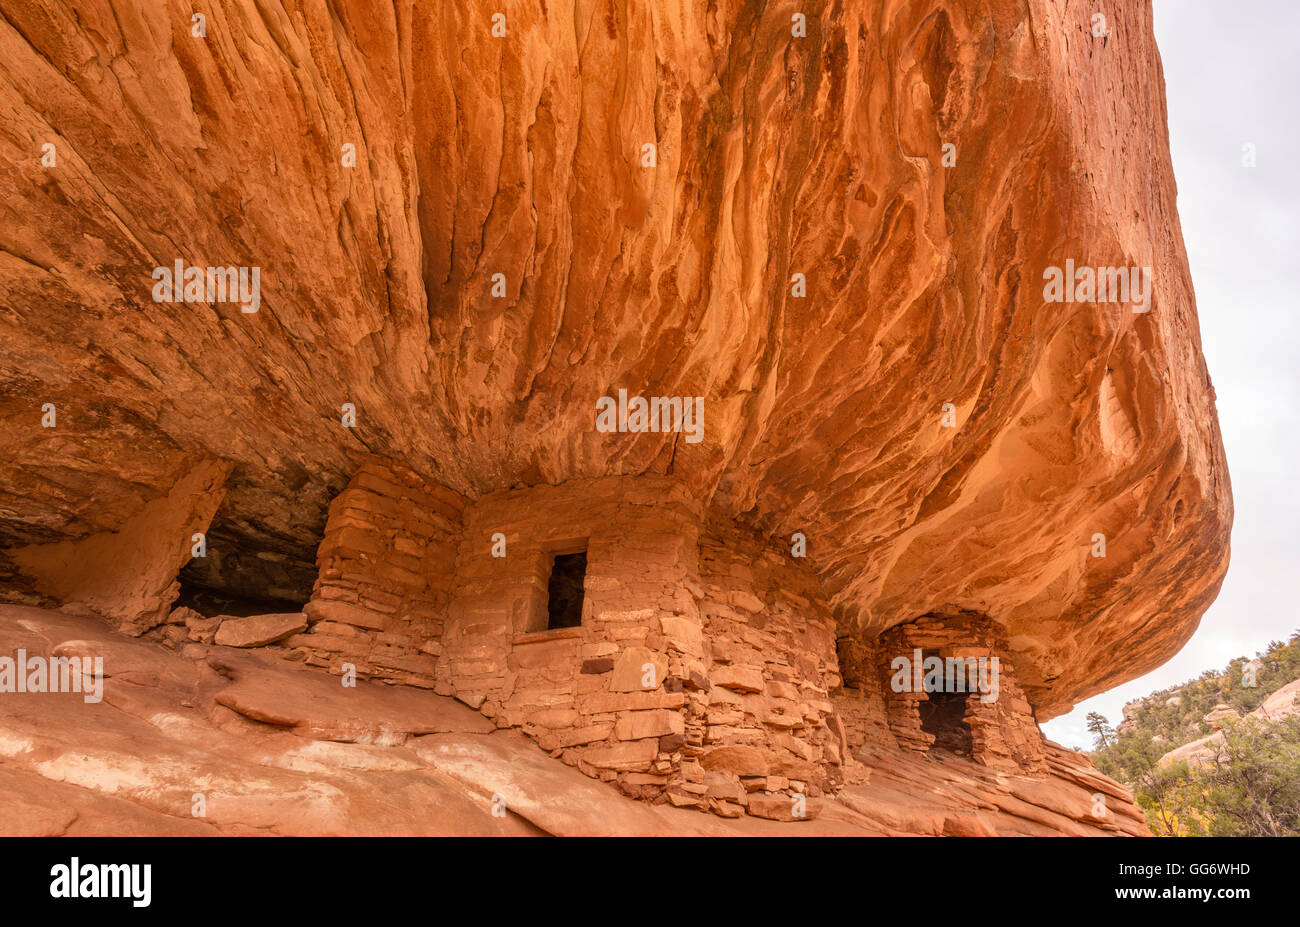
(705, 671)
(700, 674)
(386, 563)
(766, 722)
(1004, 732)
(858, 703)
(608, 696)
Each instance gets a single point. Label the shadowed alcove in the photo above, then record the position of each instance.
(943, 715)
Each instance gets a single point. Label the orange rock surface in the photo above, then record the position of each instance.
(276, 749)
(523, 155)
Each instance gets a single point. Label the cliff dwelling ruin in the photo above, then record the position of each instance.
(633, 392)
(614, 624)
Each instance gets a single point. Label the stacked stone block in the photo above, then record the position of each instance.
(859, 706)
(386, 566)
(606, 697)
(705, 672)
(765, 728)
(1004, 732)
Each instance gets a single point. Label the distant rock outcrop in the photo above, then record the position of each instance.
(1282, 704)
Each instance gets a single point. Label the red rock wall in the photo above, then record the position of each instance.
(128, 574)
(859, 702)
(701, 673)
(821, 155)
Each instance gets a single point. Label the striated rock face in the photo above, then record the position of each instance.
(827, 230)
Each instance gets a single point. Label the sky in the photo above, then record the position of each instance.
(1232, 77)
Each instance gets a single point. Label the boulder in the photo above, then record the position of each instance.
(258, 630)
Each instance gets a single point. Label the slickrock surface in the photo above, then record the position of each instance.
(1282, 704)
(522, 155)
(275, 749)
(258, 630)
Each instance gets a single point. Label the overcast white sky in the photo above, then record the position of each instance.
(1232, 75)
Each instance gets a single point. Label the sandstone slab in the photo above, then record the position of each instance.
(258, 630)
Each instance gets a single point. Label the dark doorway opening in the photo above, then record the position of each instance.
(213, 602)
(248, 567)
(564, 591)
(943, 714)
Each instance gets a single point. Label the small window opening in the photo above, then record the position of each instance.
(564, 591)
(943, 714)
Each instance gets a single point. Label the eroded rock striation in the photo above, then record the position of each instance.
(812, 241)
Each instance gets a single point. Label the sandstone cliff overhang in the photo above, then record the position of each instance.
(523, 155)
